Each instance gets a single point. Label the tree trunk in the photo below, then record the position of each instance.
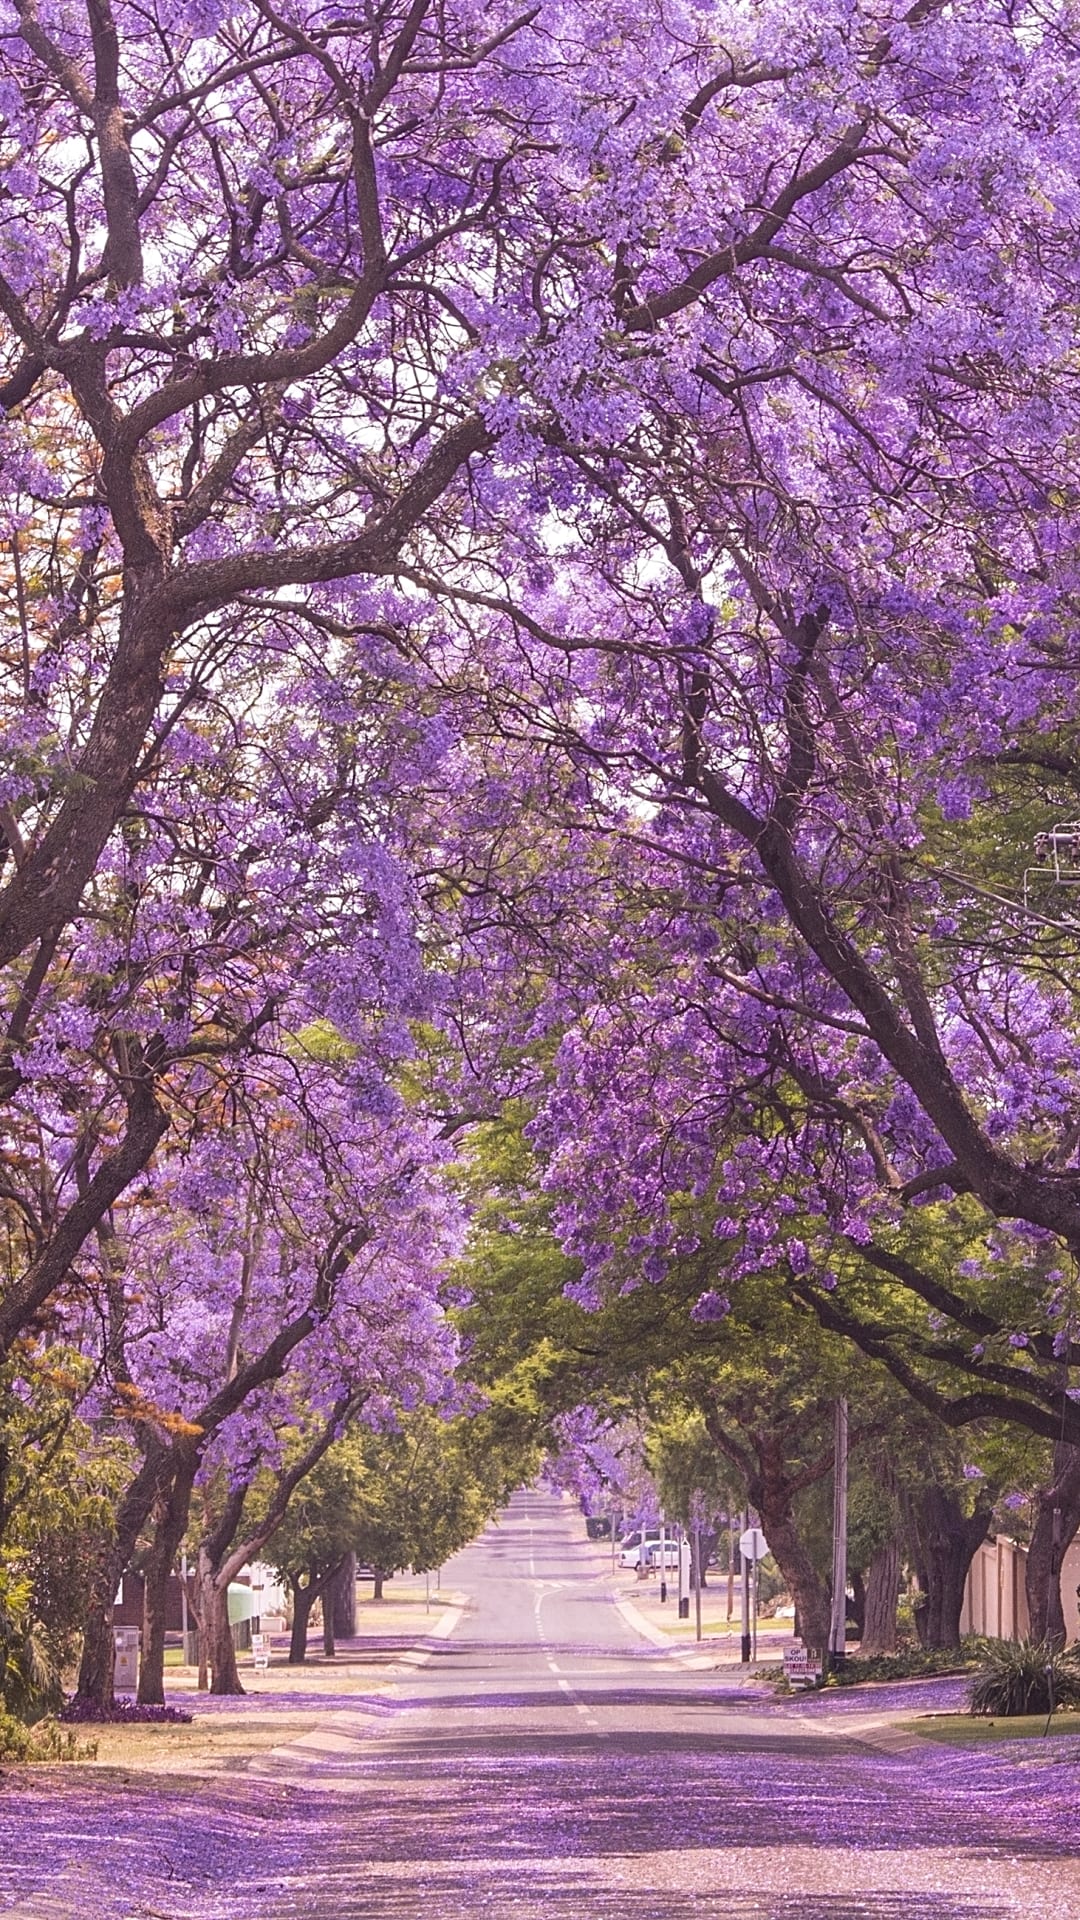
(95, 1684)
(1057, 1518)
(803, 1581)
(760, 1462)
(882, 1589)
(221, 1652)
(328, 1621)
(380, 1576)
(168, 1533)
(303, 1599)
(945, 1544)
(344, 1598)
(213, 1609)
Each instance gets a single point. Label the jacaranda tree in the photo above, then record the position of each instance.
(418, 420)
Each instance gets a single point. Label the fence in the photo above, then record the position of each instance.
(995, 1603)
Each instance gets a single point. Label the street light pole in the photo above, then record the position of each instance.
(838, 1622)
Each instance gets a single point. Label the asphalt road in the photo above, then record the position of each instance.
(544, 1760)
(549, 1762)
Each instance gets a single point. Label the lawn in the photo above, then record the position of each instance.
(971, 1730)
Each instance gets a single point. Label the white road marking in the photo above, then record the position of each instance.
(585, 1711)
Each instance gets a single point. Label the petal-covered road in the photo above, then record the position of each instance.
(543, 1763)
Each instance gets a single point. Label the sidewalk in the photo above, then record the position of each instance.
(720, 1643)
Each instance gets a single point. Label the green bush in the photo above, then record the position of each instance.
(907, 1663)
(45, 1742)
(1025, 1676)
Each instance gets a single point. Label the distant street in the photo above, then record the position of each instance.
(546, 1761)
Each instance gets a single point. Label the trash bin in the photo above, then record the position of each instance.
(126, 1659)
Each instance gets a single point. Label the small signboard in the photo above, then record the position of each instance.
(126, 1659)
(802, 1666)
(753, 1544)
(262, 1660)
(259, 1640)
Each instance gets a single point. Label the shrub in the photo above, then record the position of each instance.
(45, 1742)
(29, 1670)
(907, 1663)
(1025, 1676)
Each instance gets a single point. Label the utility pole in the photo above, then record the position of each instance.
(745, 1617)
(838, 1624)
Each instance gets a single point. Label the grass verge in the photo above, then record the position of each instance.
(970, 1730)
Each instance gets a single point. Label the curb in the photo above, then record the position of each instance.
(685, 1656)
(419, 1655)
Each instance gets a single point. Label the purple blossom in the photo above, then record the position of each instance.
(710, 1306)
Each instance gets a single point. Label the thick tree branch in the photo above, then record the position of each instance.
(146, 1123)
(961, 1411)
(727, 260)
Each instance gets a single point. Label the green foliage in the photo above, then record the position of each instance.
(406, 1498)
(524, 1341)
(322, 1519)
(47, 1742)
(57, 1484)
(694, 1483)
(1025, 1676)
(30, 1670)
(421, 1494)
(320, 1040)
(909, 1662)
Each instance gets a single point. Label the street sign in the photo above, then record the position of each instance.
(802, 1666)
(753, 1544)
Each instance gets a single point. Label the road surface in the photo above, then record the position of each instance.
(545, 1760)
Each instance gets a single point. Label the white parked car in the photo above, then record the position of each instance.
(652, 1553)
(631, 1549)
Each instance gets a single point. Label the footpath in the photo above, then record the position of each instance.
(638, 1600)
